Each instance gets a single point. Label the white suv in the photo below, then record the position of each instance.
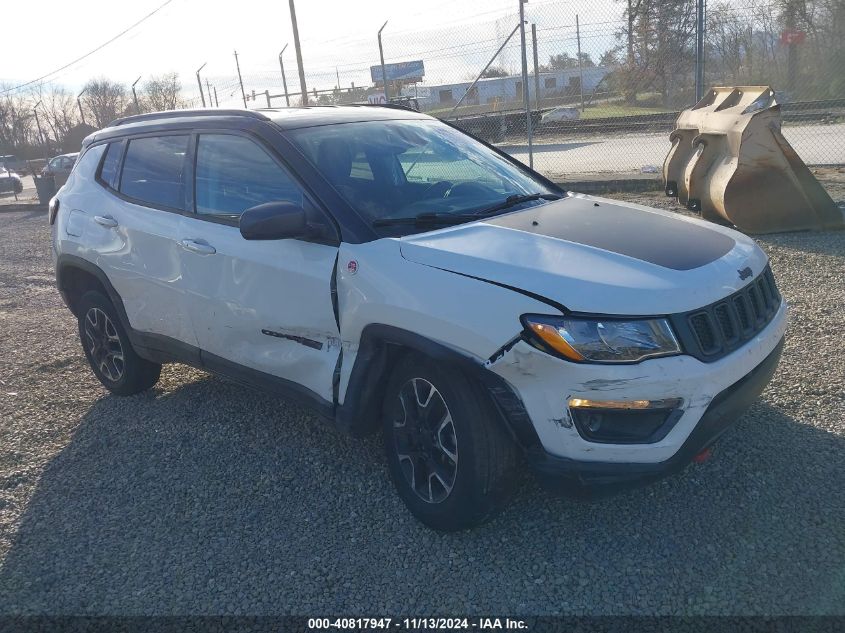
(399, 275)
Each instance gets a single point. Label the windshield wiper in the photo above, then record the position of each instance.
(427, 218)
(458, 218)
(512, 201)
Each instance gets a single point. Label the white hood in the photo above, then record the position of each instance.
(597, 255)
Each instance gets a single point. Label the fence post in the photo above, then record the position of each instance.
(240, 80)
(135, 95)
(267, 94)
(199, 83)
(525, 82)
(41, 133)
(580, 63)
(536, 67)
(208, 87)
(284, 79)
(699, 50)
(483, 70)
(79, 103)
(381, 56)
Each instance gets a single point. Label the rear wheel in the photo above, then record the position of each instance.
(108, 350)
(450, 460)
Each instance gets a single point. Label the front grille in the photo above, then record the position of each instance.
(716, 330)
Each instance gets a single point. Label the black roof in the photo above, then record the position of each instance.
(286, 118)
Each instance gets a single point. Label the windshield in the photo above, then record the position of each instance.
(404, 169)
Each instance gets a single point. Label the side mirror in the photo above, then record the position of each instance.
(273, 221)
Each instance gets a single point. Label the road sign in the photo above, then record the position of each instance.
(403, 71)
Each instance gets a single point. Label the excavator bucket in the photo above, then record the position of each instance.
(730, 161)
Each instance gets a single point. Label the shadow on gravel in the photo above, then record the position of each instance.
(215, 499)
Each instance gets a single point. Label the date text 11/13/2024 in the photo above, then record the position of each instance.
(480, 624)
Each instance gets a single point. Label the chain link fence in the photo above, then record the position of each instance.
(605, 79)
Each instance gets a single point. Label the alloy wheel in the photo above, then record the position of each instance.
(425, 440)
(104, 344)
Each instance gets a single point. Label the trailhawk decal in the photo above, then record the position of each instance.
(649, 237)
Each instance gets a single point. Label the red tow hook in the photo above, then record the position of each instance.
(703, 456)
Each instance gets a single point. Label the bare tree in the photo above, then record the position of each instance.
(106, 100)
(162, 92)
(59, 108)
(16, 122)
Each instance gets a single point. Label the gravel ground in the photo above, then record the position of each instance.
(204, 497)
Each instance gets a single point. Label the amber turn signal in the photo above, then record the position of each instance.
(549, 335)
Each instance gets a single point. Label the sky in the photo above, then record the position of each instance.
(454, 38)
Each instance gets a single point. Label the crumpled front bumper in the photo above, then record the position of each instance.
(534, 389)
(722, 412)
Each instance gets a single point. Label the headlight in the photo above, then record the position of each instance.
(602, 340)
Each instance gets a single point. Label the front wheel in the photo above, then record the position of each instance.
(108, 350)
(450, 459)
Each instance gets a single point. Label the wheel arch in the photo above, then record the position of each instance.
(379, 349)
(75, 276)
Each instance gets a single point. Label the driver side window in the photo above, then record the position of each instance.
(234, 173)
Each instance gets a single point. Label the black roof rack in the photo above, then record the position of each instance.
(394, 106)
(170, 114)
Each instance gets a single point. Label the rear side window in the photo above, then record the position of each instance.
(234, 174)
(87, 166)
(153, 171)
(108, 172)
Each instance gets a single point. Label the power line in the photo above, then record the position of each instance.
(88, 54)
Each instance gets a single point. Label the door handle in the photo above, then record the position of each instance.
(106, 221)
(198, 247)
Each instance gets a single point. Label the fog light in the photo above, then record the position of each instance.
(625, 421)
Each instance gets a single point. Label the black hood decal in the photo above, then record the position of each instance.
(649, 237)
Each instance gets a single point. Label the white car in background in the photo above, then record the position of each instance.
(401, 277)
(10, 182)
(562, 113)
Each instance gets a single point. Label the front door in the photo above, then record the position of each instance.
(261, 305)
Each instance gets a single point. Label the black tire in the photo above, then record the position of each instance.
(482, 471)
(104, 340)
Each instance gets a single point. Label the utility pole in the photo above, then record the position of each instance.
(79, 104)
(240, 80)
(135, 95)
(298, 53)
(536, 66)
(699, 50)
(381, 56)
(284, 79)
(199, 83)
(525, 82)
(580, 63)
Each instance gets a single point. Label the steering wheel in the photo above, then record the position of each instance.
(437, 190)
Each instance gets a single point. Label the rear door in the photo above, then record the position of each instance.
(134, 229)
(261, 305)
